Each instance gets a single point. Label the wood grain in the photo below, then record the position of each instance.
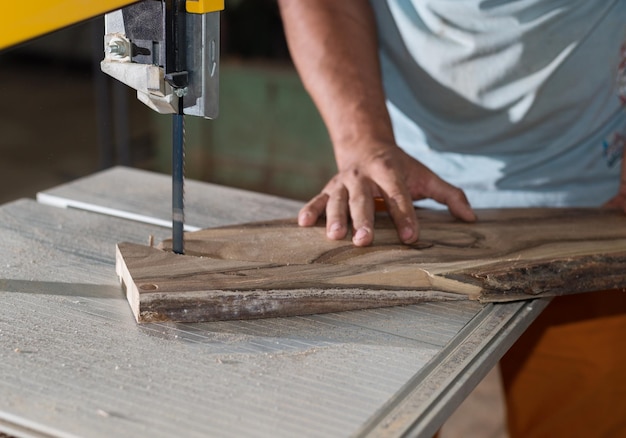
(276, 268)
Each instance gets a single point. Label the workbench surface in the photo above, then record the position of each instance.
(75, 363)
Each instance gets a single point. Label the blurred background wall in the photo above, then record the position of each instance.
(61, 118)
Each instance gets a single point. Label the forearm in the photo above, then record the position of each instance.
(334, 47)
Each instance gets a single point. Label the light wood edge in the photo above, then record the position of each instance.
(126, 280)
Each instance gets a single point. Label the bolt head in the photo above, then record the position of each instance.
(117, 48)
(180, 92)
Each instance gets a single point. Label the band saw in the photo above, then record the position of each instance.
(168, 51)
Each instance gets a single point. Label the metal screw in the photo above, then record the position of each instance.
(180, 92)
(117, 48)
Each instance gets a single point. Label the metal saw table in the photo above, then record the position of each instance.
(75, 363)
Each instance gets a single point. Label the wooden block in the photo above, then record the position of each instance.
(276, 268)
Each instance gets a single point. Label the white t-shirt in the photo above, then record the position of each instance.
(514, 101)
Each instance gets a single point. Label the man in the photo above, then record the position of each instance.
(502, 102)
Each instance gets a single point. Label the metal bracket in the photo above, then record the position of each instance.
(135, 54)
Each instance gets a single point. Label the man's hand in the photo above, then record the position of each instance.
(388, 172)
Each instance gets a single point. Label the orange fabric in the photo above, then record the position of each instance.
(566, 376)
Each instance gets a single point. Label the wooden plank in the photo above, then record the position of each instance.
(163, 286)
(275, 268)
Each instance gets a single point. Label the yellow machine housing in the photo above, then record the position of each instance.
(21, 21)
